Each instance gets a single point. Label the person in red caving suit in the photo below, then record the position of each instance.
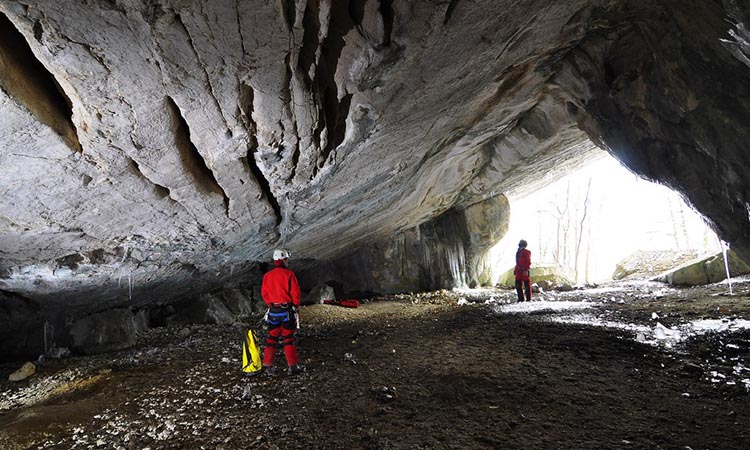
(280, 290)
(523, 266)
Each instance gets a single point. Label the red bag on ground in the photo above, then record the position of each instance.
(345, 303)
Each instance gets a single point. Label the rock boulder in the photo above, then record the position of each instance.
(547, 276)
(318, 294)
(203, 309)
(647, 264)
(107, 331)
(705, 271)
(27, 370)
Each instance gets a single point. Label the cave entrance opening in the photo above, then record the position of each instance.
(588, 221)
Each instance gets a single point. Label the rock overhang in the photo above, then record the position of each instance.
(199, 137)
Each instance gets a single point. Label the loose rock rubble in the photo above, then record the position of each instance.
(414, 372)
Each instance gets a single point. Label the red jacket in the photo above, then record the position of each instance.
(280, 285)
(523, 263)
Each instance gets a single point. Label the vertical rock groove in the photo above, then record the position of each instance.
(207, 77)
(287, 95)
(339, 131)
(26, 79)
(341, 22)
(239, 28)
(449, 12)
(336, 113)
(159, 190)
(311, 26)
(386, 10)
(192, 160)
(247, 97)
(357, 11)
(265, 186)
(246, 108)
(289, 12)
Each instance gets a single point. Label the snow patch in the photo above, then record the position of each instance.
(660, 334)
(594, 321)
(654, 334)
(529, 307)
(719, 325)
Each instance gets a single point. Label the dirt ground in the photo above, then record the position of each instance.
(411, 372)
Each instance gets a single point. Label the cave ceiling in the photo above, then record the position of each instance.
(146, 143)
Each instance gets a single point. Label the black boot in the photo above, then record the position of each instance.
(296, 369)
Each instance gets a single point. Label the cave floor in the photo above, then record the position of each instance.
(414, 372)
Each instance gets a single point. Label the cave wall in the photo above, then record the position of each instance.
(30, 328)
(22, 332)
(449, 251)
(669, 97)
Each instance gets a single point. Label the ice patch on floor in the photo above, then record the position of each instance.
(719, 325)
(654, 333)
(528, 307)
(594, 321)
(658, 334)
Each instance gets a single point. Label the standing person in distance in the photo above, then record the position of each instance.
(523, 266)
(280, 290)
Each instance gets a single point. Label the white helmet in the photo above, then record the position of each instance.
(280, 254)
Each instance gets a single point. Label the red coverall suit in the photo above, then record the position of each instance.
(280, 290)
(523, 263)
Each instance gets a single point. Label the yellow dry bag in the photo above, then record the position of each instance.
(251, 362)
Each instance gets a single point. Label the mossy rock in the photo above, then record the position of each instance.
(545, 275)
(653, 263)
(706, 271)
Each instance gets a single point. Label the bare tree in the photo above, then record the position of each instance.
(563, 217)
(683, 224)
(580, 229)
(675, 234)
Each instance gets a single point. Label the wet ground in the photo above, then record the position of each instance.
(447, 370)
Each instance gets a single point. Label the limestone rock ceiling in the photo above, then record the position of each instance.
(158, 140)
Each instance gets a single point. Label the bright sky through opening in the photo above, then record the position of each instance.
(624, 214)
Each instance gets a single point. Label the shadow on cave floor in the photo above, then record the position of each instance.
(445, 370)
